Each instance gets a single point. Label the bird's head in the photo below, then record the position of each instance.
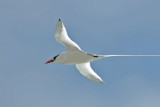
(52, 60)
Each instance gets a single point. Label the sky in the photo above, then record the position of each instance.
(98, 26)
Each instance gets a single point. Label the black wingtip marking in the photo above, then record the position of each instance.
(95, 56)
(92, 55)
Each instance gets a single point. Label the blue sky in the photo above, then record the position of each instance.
(102, 27)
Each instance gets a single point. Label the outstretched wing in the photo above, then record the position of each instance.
(86, 70)
(62, 37)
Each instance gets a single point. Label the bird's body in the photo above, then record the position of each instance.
(74, 55)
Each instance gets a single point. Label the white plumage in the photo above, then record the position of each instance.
(74, 54)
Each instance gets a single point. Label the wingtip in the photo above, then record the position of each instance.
(59, 19)
(101, 82)
(98, 81)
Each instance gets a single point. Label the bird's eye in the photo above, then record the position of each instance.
(55, 57)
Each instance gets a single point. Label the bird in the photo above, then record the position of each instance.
(75, 55)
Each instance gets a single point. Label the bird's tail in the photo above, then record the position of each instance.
(127, 55)
(102, 56)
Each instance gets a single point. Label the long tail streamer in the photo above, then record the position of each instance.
(130, 55)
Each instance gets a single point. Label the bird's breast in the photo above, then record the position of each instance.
(69, 58)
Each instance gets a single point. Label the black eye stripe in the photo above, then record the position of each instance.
(56, 56)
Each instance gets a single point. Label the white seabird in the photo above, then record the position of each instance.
(74, 54)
